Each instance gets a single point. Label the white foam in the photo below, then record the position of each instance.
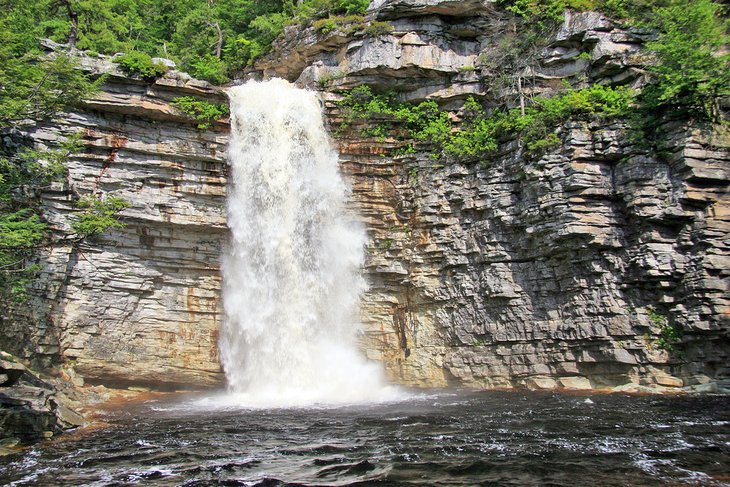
(291, 273)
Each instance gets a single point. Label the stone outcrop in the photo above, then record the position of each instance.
(30, 408)
(140, 305)
(557, 271)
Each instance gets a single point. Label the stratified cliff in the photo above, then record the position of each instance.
(554, 271)
(560, 271)
(139, 306)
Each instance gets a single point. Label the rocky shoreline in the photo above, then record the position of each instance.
(35, 407)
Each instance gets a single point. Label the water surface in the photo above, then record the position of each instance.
(464, 438)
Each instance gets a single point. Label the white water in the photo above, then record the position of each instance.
(291, 280)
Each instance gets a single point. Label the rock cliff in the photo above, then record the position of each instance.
(139, 306)
(561, 271)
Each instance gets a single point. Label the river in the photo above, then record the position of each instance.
(440, 438)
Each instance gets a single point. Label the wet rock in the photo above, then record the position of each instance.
(32, 409)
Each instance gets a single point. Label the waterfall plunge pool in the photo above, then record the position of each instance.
(440, 438)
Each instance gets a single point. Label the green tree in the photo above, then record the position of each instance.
(33, 87)
(691, 72)
(98, 215)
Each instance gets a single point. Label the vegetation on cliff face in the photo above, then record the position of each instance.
(688, 77)
(33, 87)
(202, 111)
(140, 64)
(24, 172)
(479, 133)
(692, 71)
(213, 39)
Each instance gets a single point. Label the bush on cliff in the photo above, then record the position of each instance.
(140, 64)
(98, 215)
(203, 112)
(479, 133)
(692, 71)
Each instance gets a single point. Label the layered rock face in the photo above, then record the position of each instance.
(563, 270)
(560, 272)
(140, 305)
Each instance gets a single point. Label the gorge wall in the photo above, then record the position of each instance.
(556, 271)
(139, 305)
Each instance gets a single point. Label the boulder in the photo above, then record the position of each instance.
(31, 409)
(10, 370)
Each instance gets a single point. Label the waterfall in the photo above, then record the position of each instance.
(291, 279)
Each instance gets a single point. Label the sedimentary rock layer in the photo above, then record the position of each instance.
(557, 270)
(140, 304)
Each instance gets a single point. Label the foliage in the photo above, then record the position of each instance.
(423, 121)
(374, 29)
(385, 244)
(350, 24)
(656, 318)
(98, 215)
(210, 39)
(325, 26)
(693, 68)
(690, 73)
(22, 230)
(202, 111)
(313, 9)
(669, 334)
(209, 68)
(33, 88)
(140, 64)
(326, 77)
(413, 176)
(214, 39)
(478, 133)
(545, 11)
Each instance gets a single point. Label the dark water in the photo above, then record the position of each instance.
(490, 438)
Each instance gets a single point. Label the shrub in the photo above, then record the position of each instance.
(202, 111)
(544, 12)
(140, 64)
(669, 334)
(374, 29)
(348, 23)
(693, 69)
(209, 68)
(98, 215)
(479, 134)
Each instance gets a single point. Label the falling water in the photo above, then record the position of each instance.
(291, 281)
